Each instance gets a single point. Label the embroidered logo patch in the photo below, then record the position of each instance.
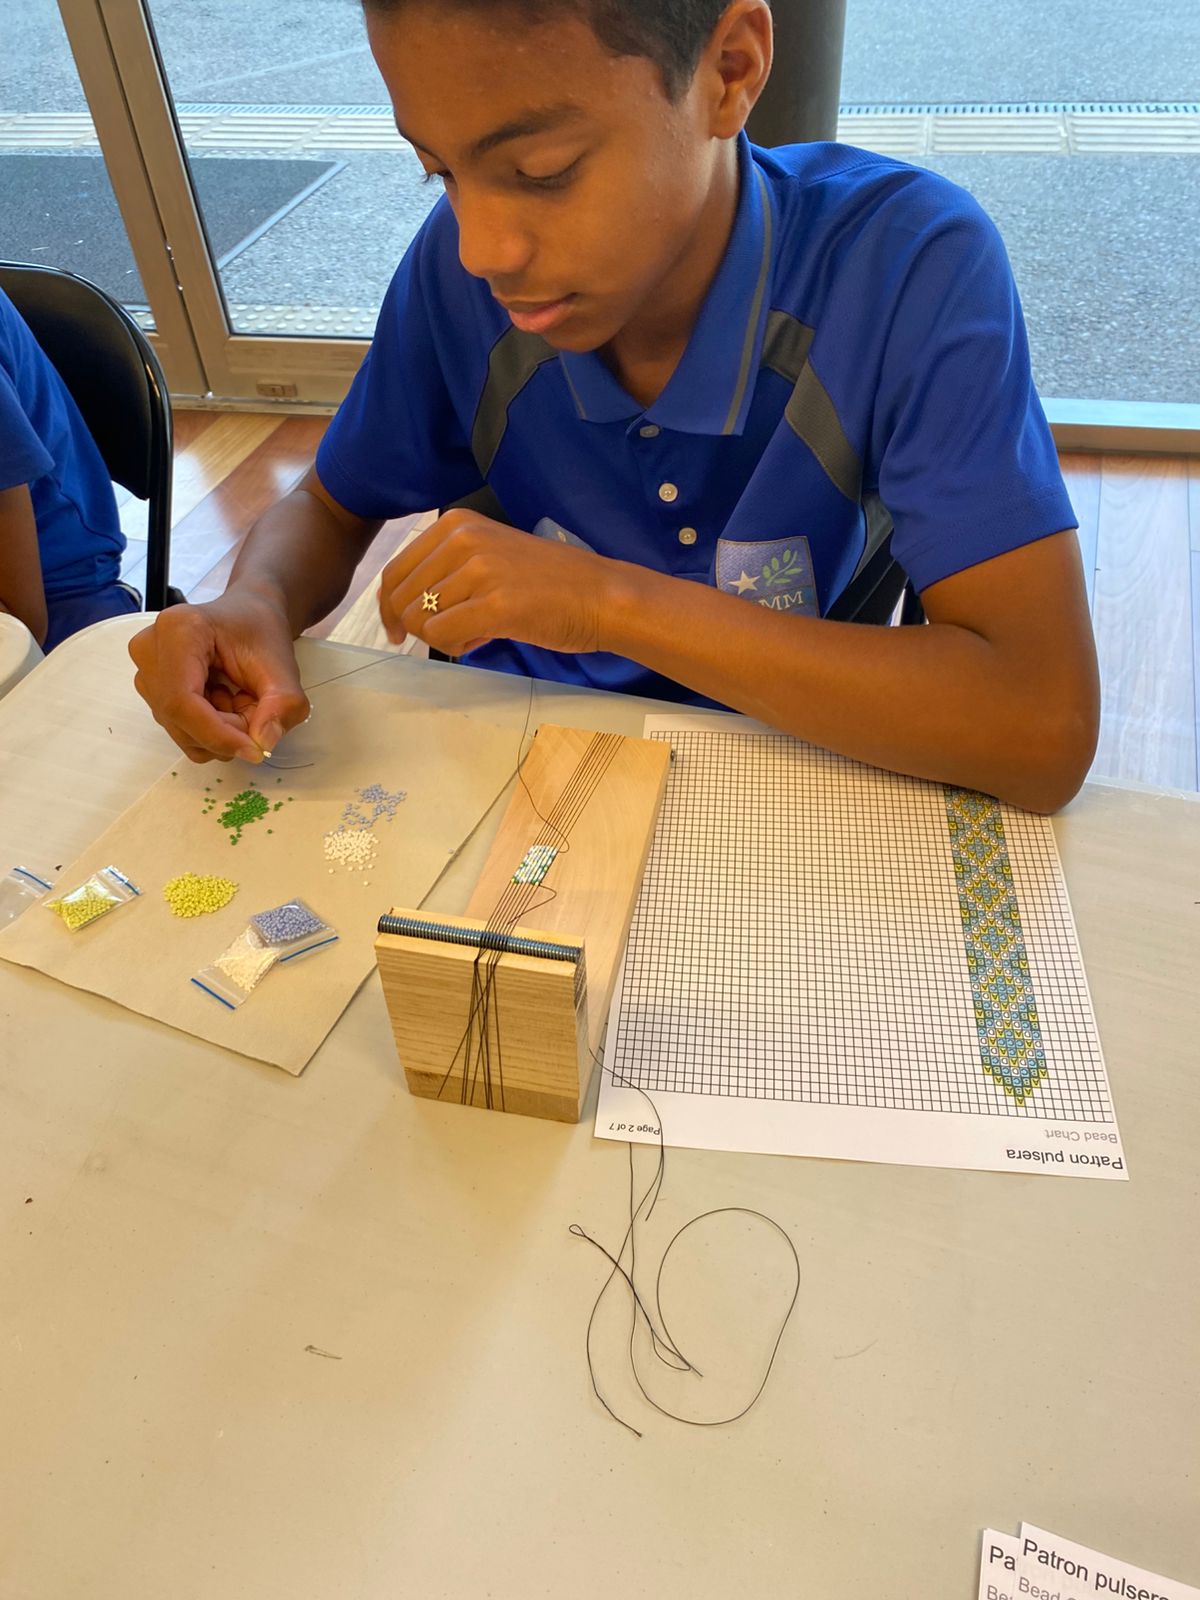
(776, 573)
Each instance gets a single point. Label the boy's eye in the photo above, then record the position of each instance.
(549, 180)
(436, 177)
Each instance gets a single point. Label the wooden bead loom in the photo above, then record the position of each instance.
(494, 1011)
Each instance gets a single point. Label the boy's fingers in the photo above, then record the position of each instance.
(412, 571)
(174, 663)
(277, 713)
(262, 680)
(204, 734)
(228, 701)
(193, 722)
(388, 614)
(194, 753)
(460, 629)
(411, 557)
(392, 628)
(222, 683)
(401, 605)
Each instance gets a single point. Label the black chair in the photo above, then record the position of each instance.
(879, 586)
(114, 378)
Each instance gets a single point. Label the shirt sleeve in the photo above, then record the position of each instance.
(23, 456)
(967, 467)
(397, 444)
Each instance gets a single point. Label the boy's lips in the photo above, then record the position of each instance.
(536, 316)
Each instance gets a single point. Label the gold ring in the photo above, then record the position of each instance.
(429, 601)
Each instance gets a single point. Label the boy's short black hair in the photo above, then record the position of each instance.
(671, 33)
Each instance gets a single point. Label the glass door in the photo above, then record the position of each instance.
(284, 190)
(268, 196)
(60, 204)
(1077, 126)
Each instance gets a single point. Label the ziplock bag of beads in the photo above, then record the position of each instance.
(19, 887)
(238, 971)
(103, 892)
(289, 923)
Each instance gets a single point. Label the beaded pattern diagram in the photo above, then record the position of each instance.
(814, 931)
(1006, 1016)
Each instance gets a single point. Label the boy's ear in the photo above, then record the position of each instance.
(736, 64)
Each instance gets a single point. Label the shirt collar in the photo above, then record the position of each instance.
(711, 388)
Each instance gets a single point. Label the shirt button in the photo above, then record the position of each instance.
(668, 492)
(687, 536)
(650, 431)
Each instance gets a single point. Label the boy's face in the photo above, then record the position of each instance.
(581, 191)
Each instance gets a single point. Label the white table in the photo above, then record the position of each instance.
(179, 1227)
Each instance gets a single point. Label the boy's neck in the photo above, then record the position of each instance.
(644, 355)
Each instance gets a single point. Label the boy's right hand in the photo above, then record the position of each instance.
(221, 678)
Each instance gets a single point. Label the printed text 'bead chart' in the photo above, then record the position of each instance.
(830, 960)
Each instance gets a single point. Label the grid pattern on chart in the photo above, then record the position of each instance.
(798, 937)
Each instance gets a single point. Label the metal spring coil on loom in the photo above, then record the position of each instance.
(507, 944)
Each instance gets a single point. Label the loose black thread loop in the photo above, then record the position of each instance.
(664, 1340)
(475, 1049)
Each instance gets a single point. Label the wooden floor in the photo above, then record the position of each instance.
(1139, 527)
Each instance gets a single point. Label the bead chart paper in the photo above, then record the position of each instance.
(830, 960)
(450, 769)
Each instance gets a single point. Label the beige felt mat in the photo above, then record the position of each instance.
(141, 955)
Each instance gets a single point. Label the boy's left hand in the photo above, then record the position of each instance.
(493, 582)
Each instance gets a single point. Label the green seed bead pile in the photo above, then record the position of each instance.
(251, 805)
(82, 908)
(191, 896)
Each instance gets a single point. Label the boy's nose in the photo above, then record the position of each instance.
(491, 245)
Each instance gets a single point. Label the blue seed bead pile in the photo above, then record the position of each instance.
(370, 805)
(288, 922)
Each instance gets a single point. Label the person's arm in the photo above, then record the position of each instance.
(222, 678)
(999, 692)
(22, 593)
(302, 552)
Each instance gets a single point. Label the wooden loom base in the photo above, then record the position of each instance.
(521, 1102)
(538, 1062)
(547, 1016)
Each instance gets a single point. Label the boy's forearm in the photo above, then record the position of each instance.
(300, 556)
(936, 702)
(22, 592)
(37, 623)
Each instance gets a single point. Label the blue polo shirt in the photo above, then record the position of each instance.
(860, 359)
(45, 443)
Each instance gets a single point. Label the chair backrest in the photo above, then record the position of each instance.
(103, 358)
(880, 584)
(114, 378)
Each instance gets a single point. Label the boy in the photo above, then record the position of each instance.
(60, 536)
(696, 372)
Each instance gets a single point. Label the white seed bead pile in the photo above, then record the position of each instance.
(353, 849)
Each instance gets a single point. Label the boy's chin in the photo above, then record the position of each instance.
(575, 342)
(582, 335)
